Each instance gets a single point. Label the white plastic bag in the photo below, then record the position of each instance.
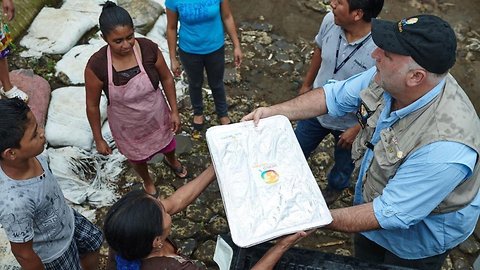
(86, 177)
(67, 123)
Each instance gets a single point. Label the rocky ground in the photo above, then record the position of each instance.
(275, 59)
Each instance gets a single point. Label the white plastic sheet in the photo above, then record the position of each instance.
(267, 188)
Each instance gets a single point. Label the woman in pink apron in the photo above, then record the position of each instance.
(129, 71)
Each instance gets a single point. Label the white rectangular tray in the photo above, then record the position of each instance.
(267, 188)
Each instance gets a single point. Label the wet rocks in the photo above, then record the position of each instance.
(317, 5)
(205, 252)
(231, 76)
(459, 263)
(144, 13)
(186, 246)
(470, 246)
(165, 191)
(343, 252)
(199, 213)
(218, 225)
(469, 42)
(217, 206)
(184, 228)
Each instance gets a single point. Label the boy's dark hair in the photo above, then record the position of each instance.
(13, 121)
(132, 223)
(113, 16)
(370, 8)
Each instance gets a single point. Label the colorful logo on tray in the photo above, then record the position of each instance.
(270, 176)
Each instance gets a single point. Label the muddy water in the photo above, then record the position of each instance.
(294, 20)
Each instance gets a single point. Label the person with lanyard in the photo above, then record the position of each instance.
(344, 45)
(416, 196)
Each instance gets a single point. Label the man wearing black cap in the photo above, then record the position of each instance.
(416, 195)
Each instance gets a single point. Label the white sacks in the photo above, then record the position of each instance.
(67, 123)
(73, 63)
(56, 31)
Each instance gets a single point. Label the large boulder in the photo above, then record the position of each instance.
(38, 90)
(144, 13)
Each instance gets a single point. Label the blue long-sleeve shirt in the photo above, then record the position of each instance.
(425, 178)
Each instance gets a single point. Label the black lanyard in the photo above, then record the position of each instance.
(337, 68)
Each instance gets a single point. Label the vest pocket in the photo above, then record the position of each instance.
(388, 152)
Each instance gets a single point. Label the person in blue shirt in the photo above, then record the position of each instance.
(201, 47)
(416, 195)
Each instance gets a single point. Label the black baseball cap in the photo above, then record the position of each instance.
(429, 40)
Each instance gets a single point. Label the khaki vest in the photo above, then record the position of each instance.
(448, 117)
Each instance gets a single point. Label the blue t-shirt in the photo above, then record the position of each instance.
(201, 26)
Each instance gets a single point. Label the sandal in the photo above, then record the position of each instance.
(198, 126)
(180, 171)
(14, 93)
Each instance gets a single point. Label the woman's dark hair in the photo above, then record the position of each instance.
(132, 223)
(370, 8)
(13, 122)
(113, 16)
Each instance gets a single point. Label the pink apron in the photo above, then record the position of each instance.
(138, 114)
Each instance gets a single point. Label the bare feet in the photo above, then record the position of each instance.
(224, 120)
(150, 189)
(198, 119)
